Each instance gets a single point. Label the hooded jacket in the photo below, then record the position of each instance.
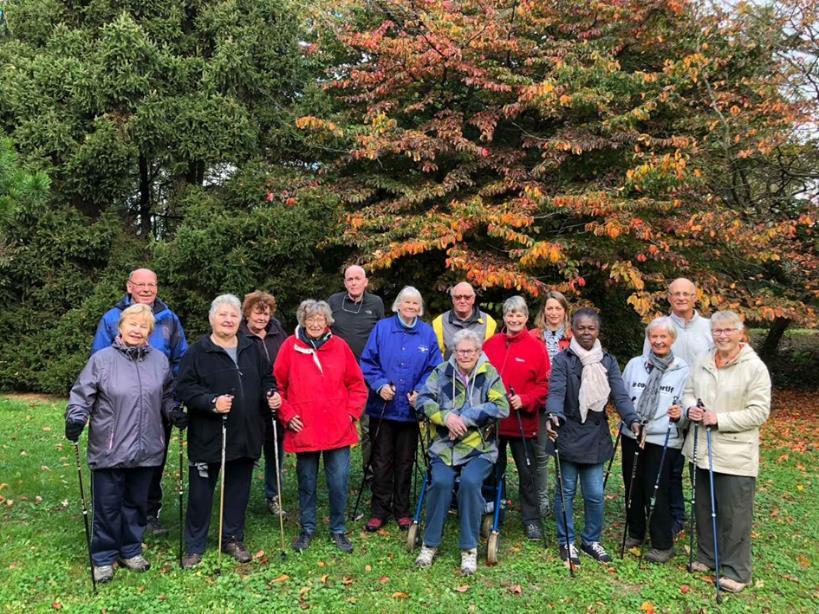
(402, 356)
(168, 336)
(126, 392)
(523, 364)
(480, 402)
(208, 371)
(740, 394)
(269, 349)
(672, 384)
(325, 388)
(586, 442)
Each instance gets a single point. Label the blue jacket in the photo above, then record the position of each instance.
(168, 336)
(402, 356)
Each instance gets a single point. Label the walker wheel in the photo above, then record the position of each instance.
(492, 548)
(413, 535)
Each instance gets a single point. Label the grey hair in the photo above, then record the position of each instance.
(225, 299)
(467, 335)
(662, 322)
(310, 308)
(727, 316)
(408, 291)
(515, 303)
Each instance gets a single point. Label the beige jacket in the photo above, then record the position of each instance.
(740, 394)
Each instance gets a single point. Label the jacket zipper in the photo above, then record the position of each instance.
(141, 409)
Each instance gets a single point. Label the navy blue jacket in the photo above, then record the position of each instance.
(588, 442)
(402, 356)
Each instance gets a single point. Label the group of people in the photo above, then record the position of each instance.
(348, 374)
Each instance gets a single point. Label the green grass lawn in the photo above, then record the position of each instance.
(43, 560)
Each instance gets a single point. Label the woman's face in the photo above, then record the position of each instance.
(554, 314)
(259, 317)
(586, 330)
(409, 308)
(315, 325)
(466, 355)
(726, 337)
(660, 340)
(515, 321)
(225, 322)
(134, 331)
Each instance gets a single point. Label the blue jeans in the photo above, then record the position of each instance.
(470, 501)
(591, 484)
(336, 473)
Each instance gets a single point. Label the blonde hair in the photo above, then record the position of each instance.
(540, 319)
(138, 310)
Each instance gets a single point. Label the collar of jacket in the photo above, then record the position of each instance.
(477, 316)
(241, 343)
(135, 353)
(158, 306)
(274, 328)
(398, 327)
(684, 323)
(480, 367)
(523, 334)
(745, 354)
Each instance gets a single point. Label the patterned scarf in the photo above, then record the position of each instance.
(647, 404)
(594, 381)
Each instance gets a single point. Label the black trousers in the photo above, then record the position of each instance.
(200, 501)
(675, 494)
(120, 503)
(648, 465)
(155, 489)
(392, 454)
(527, 483)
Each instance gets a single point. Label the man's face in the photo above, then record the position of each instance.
(355, 280)
(142, 286)
(681, 296)
(463, 300)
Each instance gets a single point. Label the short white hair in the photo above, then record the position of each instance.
(309, 308)
(466, 334)
(407, 292)
(727, 317)
(662, 322)
(515, 303)
(225, 299)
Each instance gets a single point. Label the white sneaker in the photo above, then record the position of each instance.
(469, 561)
(425, 557)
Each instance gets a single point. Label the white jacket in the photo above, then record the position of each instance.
(672, 385)
(740, 394)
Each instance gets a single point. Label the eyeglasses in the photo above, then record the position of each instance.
(143, 286)
(463, 297)
(718, 332)
(465, 352)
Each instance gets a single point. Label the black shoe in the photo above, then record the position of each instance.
(154, 527)
(533, 531)
(564, 554)
(596, 551)
(237, 550)
(341, 542)
(302, 542)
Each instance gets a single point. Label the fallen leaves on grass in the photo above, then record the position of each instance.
(648, 607)
(57, 605)
(803, 560)
(684, 589)
(368, 568)
(282, 578)
(384, 579)
(346, 580)
(399, 595)
(461, 589)
(515, 589)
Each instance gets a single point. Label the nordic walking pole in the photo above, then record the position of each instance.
(640, 443)
(713, 512)
(692, 518)
(278, 486)
(354, 513)
(532, 485)
(611, 460)
(179, 480)
(222, 496)
(559, 475)
(85, 516)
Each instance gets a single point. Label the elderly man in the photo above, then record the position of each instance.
(355, 314)
(693, 340)
(463, 315)
(168, 337)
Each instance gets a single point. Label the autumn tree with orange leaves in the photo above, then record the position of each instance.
(583, 145)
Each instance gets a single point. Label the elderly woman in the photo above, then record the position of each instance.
(125, 389)
(399, 356)
(259, 325)
(655, 382)
(323, 395)
(735, 389)
(584, 378)
(553, 329)
(523, 365)
(463, 398)
(224, 379)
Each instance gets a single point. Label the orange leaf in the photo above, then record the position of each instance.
(281, 578)
(399, 595)
(647, 607)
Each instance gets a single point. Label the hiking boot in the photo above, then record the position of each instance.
(373, 524)
(136, 563)
(103, 573)
(731, 586)
(469, 561)
(533, 531)
(341, 542)
(274, 507)
(237, 550)
(571, 552)
(659, 556)
(633, 542)
(404, 523)
(189, 561)
(425, 557)
(154, 527)
(596, 551)
(302, 542)
(698, 567)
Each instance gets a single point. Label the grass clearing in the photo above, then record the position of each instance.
(43, 561)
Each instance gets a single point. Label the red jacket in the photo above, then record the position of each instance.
(523, 365)
(328, 399)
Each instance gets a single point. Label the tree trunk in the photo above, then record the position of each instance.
(144, 197)
(770, 346)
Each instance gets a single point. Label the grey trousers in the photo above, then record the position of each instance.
(734, 498)
(542, 466)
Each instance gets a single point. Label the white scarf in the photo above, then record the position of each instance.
(594, 382)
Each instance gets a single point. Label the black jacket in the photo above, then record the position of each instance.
(269, 349)
(207, 371)
(588, 442)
